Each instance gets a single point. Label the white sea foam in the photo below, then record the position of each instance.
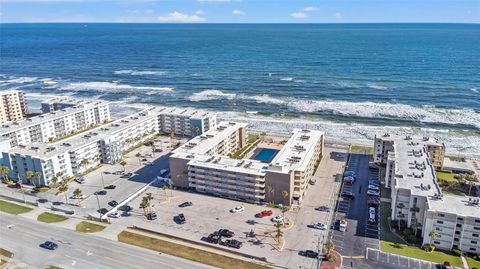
(287, 79)
(20, 80)
(264, 99)
(140, 72)
(211, 94)
(457, 143)
(48, 81)
(109, 87)
(474, 90)
(376, 86)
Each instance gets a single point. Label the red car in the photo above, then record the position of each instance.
(265, 213)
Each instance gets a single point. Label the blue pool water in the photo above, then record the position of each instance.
(266, 155)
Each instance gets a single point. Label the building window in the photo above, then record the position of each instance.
(459, 225)
(476, 228)
(441, 215)
(473, 242)
(477, 220)
(436, 242)
(459, 218)
(439, 222)
(475, 235)
(438, 228)
(473, 249)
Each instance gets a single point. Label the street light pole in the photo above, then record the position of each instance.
(103, 182)
(99, 211)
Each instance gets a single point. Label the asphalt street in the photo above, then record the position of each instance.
(23, 236)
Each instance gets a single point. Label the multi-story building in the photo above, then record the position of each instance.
(60, 103)
(202, 164)
(417, 199)
(57, 124)
(186, 122)
(12, 106)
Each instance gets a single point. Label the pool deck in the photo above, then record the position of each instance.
(267, 144)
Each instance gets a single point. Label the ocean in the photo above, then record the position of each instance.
(349, 80)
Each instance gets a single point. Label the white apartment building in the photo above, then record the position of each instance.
(416, 196)
(60, 103)
(54, 125)
(203, 164)
(13, 106)
(186, 122)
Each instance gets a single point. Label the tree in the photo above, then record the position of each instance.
(164, 188)
(29, 175)
(278, 232)
(471, 179)
(64, 188)
(4, 170)
(170, 186)
(154, 148)
(84, 163)
(138, 155)
(77, 192)
(123, 163)
(329, 246)
(433, 235)
(38, 176)
(285, 194)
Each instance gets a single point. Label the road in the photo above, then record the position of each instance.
(76, 250)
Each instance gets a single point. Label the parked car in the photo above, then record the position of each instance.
(226, 233)
(102, 211)
(349, 174)
(374, 182)
(373, 187)
(125, 208)
(238, 209)
(233, 243)
(49, 245)
(164, 172)
(144, 160)
(309, 253)
(373, 193)
(115, 214)
(312, 181)
(214, 238)
(110, 187)
(16, 185)
(119, 172)
(79, 180)
(127, 175)
(100, 193)
(318, 225)
(113, 203)
(152, 216)
(348, 180)
(323, 208)
(371, 214)
(265, 213)
(81, 196)
(277, 218)
(181, 218)
(348, 195)
(185, 204)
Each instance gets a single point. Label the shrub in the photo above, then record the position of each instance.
(41, 189)
(428, 248)
(331, 258)
(457, 252)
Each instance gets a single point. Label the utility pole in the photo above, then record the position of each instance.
(98, 202)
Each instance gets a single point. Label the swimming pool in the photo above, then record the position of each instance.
(265, 155)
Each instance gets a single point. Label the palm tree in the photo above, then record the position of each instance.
(278, 232)
(4, 170)
(138, 155)
(123, 163)
(64, 188)
(84, 163)
(29, 175)
(433, 235)
(164, 188)
(170, 186)
(144, 205)
(77, 192)
(285, 194)
(38, 176)
(153, 149)
(329, 246)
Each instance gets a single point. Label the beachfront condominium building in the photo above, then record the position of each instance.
(12, 106)
(186, 122)
(417, 199)
(60, 103)
(203, 164)
(77, 154)
(54, 125)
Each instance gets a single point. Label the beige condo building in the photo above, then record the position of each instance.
(12, 106)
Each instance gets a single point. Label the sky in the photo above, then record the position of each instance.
(240, 11)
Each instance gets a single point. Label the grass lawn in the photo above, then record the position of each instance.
(12, 208)
(473, 263)
(186, 252)
(53, 267)
(50, 217)
(388, 240)
(445, 176)
(386, 192)
(358, 148)
(88, 227)
(5, 253)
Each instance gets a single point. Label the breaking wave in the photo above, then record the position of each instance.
(109, 87)
(140, 72)
(211, 95)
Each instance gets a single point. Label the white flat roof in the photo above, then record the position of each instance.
(424, 140)
(10, 92)
(413, 169)
(244, 166)
(449, 164)
(455, 204)
(299, 149)
(188, 112)
(94, 135)
(14, 126)
(203, 143)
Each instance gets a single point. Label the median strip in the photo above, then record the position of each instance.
(12, 208)
(185, 252)
(51, 218)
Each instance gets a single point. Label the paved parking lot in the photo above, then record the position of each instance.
(397, 261)
(208, 214)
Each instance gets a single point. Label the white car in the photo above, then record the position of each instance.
(81, 196)
(373, 187)
(319, 226)
(277, 218)
(238, 209)
(115, 214)
(373, 193)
